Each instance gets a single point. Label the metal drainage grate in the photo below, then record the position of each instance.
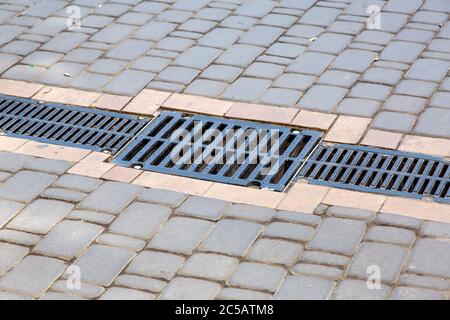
(228, 151)
(67, 125)
(381, 171)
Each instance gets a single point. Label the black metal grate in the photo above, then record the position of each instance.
(377, 170)
(67, 125)
(222, 150)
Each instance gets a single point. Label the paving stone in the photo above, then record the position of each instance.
(129, 49)
(416, 88)
(311, 63)
(206, 88)
(394, 121)
(90, 81)
(64, 42)
(388, 258)
(178, 74)
(63, 194)
(325, 272)
(289, 231)
(10, 255)
(294, 81)
(278, 20)
(370, 91)
(129, 82)
(4, 176)
(115, 293)
(154, 30)
(140, 220)
(61, 73)
(249, 212)
(257, 276)
(32, 276)
(11, 296)
(20, 47)
(115, 240)
(408, 293)
(382, 76)
(338, 236)
(261, 35)
(101, 264)
(239, 55)
(374, 37)
(346, 27)
(151, 64)
(165, 86)
(232, 237)
(76, 182)
(358, 107)
(246, 89)
(8, 209)
(330, 43)
(220, 38)
(424, 282)
(351, 213)
(82, 55)
(215, 14)
(323, 98)
(197, 25)
(275, 252)
(439, 45)
(174, 44)
(114, 33)
(401, 51)
(305, 31)
(156, 264)
(238, 22)
(41, 216)
(338, 78)
(404, 104)
(209, 266)
(324, 258)
(255, 8)
(181, 235)
(286, 50)
(203, 207)
(140, 283)
(42, 58)
(441, 99)
(134, 18)
(151, 7)
(48, 165)
(168, 198)
(108, 66)
(434, 229)
(12, 162)
(354, 60)
(9, 32)
(298, 217)
(434, 121)
(428, 70)
(263, 70)
(96, 21)
(242, 294)
(18, 237)
(320, 16)
(391, 235)
(182, 288)
(350, 289)
(68, 239)
(305, 288)
(415, 35)
(430, 257)
(22, 72)
(398, 221)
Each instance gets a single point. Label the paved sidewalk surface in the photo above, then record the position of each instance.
(317, 55)
(128, 242)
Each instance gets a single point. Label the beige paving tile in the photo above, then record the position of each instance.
(433, 146)
(261, 113)
(347, 129)
(417, 209)
(11, 144)
(382, 139)
(197, 104)
(67, 96)
(19, 88)
(245, 195)
(174, 183)
(147, 102)
(50, 151)
(354, 199)
(303, 197)
(316, 120)
(92, 165)
(121, 174)
(111, 102)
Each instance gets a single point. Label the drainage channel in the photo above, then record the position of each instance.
(67, 125)
(229, 151)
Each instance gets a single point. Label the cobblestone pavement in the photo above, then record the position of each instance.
(129, 242)
(318, 55)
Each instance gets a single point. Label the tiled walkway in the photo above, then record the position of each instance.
(316, 55)
(127, 241)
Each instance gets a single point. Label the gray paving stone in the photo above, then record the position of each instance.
(48, 165)
(289, 231)
(76, 182)
(203, 207)
(129, 82)
(350, 289)
(286, 50)
(261, 35)
(168, 198)
(108, 66)
(19, 189)
(311, 63)
(338, 78)
(12, 162)
(129, 49)
(116, 293)
(216, 14)
(257, 276)
(208, 88)
(85, 290)
(156, 264)
(428, 70)
(68, 239)
(330, 43)
(338, 236)
(238, 22)
(209, 266)
(90, 81)
(388, 258)
(424, 282)
(436, 229)
(220, 38)
(42, 58)
(436, 5)
(374, 37)
(10, 255)
(275, 60)
(278, 20)
(111, 197)
(63, 194)
(4, 176)
(96, 21)
(408, 293)
(61, 73)
(242, 294)
(8, 209)
(23, 72)
(440, 45)
(324, 258)
(119, 241)
(11, 296)
(441, 99)
(151, 7)
(416, 88)
(64, 42)
(325, 272)
(151, 64)
(263, 70)
(178, 74)
(246, 89)
(182, 288)
(298, 217)
(370, 91)
(354, 60)
(304, 31)
(402, 51)
(114, 33)
(320, 16)
(32, 276)
(134, 18)
(404, 104)
(166, 86)
(19, 237)
(255, 8)
(197, 25)
(323, 98)
(351, 213)
(346, 27)
(398, 221)
(415, 35)
(101, 264)
(358, 107)
(45, 8)
(174, 44)
(239, 55)
(19, 47)
(393, 121)
(82, 55)
(382, 76)
(249, 212)
(294, 81)
(140, 220)
(430, 257)
(275, 252)
(111, 9)
(232, 237)
(9, 32)
(154, 30)
(434, 121)
(221, 73)
(391, 235)
(305, 288)
(140, 283)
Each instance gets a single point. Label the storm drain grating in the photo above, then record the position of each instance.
(215, 149)
(377, 170)
(67, 125)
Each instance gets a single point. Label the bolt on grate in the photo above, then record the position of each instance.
(380, 171)
(67, 125)
(222, 150)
